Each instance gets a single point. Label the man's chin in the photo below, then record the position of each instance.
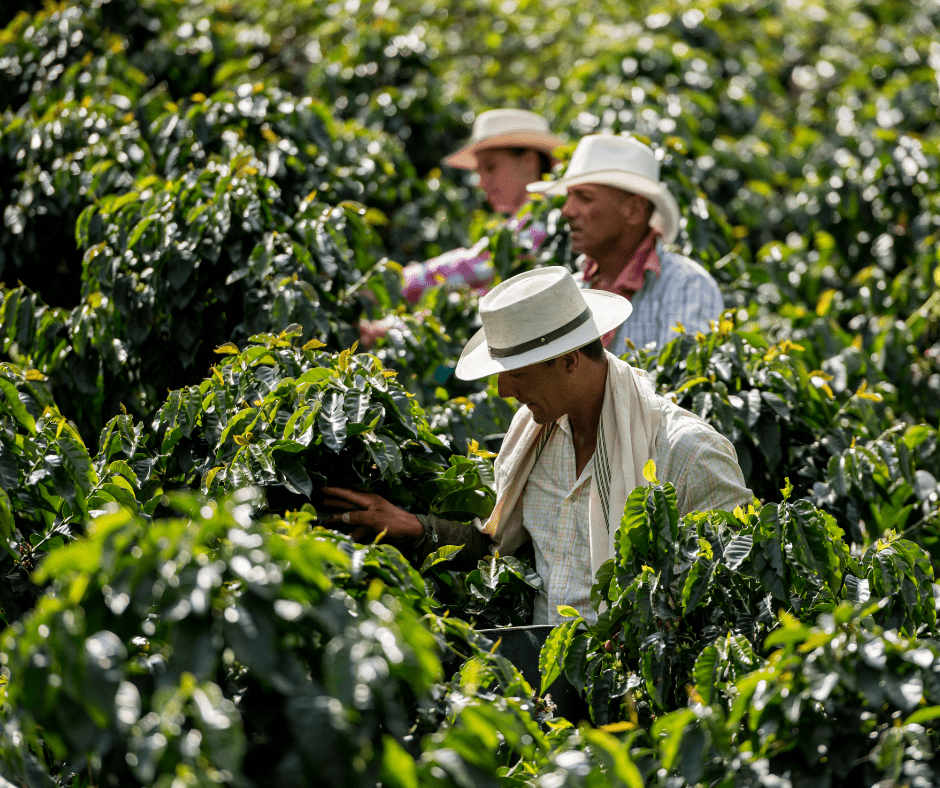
(539, 416)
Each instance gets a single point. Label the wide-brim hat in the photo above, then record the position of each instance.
(505, 128)
(535, 316)
(624, 163)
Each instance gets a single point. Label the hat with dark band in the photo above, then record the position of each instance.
(535, 316)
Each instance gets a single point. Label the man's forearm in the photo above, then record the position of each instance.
(439, 532)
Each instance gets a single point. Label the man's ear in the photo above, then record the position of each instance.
(571, 361)
(635, 209)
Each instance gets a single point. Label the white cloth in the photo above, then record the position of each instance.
(626, 440)
(698, 461)
(689, 453)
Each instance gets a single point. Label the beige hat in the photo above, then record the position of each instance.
(535, 316)
(624, 163)
(505, 128)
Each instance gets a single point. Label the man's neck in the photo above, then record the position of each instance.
(611, 261)
(585, 415)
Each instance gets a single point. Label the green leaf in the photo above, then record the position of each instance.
(332, 421)
(7, 526)
(356, 404)
(697, 583)
(663, 512)
(464, 504)
(398, 767)
(633, 533)
(921, 716)
(856, 591)
(554, 651)
(17, 408)
(296, 475)
(76, 459)
(737, 551)
(315, 375)
(669, 731)
(616, 759)
(706, 672)
(440, 555)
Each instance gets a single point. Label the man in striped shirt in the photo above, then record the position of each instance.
(575, 450)
(620, 216)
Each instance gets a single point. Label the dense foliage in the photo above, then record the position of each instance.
(207, 204)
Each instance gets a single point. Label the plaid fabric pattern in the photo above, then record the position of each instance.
(697, 460)
(555, 513)
(684, 292)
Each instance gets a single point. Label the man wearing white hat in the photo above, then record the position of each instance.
(508, 149)
(575, 450)
(620, 213)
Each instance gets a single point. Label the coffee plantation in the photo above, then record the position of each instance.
(205, 207)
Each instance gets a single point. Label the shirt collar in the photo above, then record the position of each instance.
(630, 279)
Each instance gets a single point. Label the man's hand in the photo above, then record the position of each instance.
(365, 515)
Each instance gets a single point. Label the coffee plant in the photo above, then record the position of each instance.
(206, 206)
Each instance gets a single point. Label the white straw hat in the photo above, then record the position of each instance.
(535, 316)
(624, 163)
(504, 128)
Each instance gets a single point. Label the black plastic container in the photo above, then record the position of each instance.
(521, 646)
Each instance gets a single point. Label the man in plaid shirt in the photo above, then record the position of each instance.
(575, 450)
(621, 217)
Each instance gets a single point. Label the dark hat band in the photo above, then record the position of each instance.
(551, 336)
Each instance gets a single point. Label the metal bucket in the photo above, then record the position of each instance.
(521, 646)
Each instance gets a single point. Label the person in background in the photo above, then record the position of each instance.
(587, 425)
(508, 149)
(620, 216)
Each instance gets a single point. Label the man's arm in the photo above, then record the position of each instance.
(439, 532)
(713, 480)
(700, 462)
(366, 515)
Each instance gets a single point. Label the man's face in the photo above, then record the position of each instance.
(540, 387)
(596, 217)
(504, 176)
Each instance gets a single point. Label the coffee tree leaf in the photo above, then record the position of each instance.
(554, 652)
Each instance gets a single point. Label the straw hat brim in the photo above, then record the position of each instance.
(666, 217)
(466, 157)
(608, 310)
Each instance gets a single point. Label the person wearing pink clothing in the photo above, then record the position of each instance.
(508, 149)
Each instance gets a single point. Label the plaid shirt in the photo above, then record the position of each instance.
(681, 291)
(690, 454)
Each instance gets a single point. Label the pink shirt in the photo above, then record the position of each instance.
(631, 276)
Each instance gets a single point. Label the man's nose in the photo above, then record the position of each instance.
(566, 209)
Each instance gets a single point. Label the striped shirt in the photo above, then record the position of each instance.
(683, 292)
(690, 454)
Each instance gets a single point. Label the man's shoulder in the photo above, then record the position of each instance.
(683, 432)
(675, 265)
